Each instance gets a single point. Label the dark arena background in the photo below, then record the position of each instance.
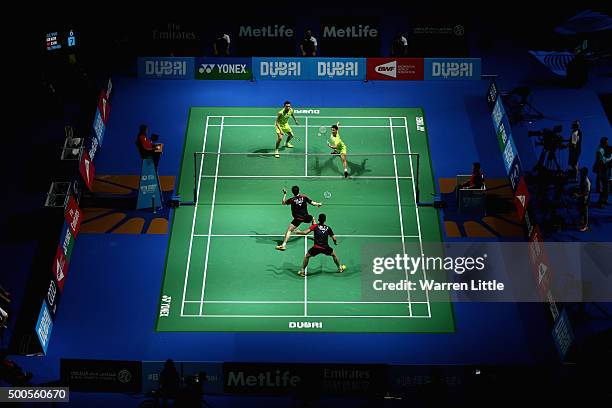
(455, 162)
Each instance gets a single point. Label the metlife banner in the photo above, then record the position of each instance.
(269, 36)
(452, 69)
(350, 36)
(309, 68)
(223, 68)
(166, 67)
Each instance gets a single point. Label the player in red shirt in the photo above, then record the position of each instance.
(321, 246)
(299, 210)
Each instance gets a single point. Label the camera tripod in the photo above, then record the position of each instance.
(547, 162)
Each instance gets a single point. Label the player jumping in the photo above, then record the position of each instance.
(321, 246)
(339, 147)
(299, 210)
(282, 126)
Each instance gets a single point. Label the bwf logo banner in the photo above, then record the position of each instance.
(395, 69)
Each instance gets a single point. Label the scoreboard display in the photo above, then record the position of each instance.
(56, 40)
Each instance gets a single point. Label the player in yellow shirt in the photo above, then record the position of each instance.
(336, 143)
(282, 126)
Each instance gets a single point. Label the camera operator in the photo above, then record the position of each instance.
(575, 148)
(603, 161)
(584, 198)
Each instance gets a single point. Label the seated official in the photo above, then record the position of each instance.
(476, 180)
(144, 144)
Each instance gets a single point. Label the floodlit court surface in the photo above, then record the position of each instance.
(222, 272)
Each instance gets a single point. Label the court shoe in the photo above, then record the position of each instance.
(280, 247)
(302, 273)
(289, 145)
(345, 174)
(276, 154)
(342, 268)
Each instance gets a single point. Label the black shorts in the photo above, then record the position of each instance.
(297, 221)
(316, 250)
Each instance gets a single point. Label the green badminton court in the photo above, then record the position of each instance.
(222, 271)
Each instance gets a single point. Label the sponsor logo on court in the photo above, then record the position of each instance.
(268, 31)
(305, 325)
(164, 309)
(307, 111)
(420, 123)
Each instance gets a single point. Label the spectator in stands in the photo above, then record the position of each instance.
(399, 46)
(584, 198)
(169, 382)
(603, 161)
(575, 148)
(476, 179)
(221, 45)
(309, 45)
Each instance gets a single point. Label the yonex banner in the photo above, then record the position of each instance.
(310, 68)
(223, 68)
(452, 68)
(515, 174)
(67, 241)
(395, 69)
(166, 67)
(339, 68)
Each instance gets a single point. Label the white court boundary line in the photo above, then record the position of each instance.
(212, 213)
(416, 206)
(399, 207)
(216, 177)
(194, 219)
